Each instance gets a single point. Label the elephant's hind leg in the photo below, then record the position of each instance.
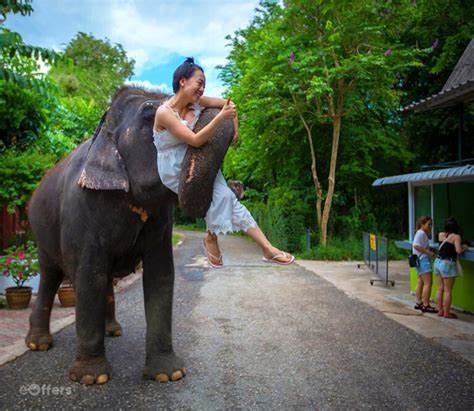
(39, 336)
(112, 327)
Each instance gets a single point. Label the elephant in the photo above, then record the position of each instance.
(101, 211)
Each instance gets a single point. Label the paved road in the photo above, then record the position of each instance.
(254, 336)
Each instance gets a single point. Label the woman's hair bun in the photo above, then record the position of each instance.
(189, 60)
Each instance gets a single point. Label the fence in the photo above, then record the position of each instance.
(9, 226)
(376, 256)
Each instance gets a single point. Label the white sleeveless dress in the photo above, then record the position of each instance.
(226, 214)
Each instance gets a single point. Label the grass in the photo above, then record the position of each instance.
(177, 238)
(337, 249)
(349, 249)
(190, 227)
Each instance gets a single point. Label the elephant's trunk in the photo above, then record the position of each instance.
(200, 166)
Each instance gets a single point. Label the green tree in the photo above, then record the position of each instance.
(14, 52)
(92, 69)
(24, 93)
(312, 67)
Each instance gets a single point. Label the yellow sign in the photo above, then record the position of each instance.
(373, 242)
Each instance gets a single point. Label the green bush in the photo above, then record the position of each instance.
(281, 218)
(20, 173)
(347, 249)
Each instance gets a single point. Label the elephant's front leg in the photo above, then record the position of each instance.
(162, 364)
(90, 365)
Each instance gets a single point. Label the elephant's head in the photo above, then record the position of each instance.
(122, 155)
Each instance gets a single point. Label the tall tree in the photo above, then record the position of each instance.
(325, 63)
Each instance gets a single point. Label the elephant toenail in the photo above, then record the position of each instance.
(184, 370)
(32, 346)
(87, 379)
(102, 379)
(162, 378)
(43, 347)
(73, 377)
(177, 375)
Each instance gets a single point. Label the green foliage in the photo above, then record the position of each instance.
(347, 249)
(289, 61)
(20, 173)
(176, 238)
(20, 263)
(15, 6)
(23, 112)
(76, 118)
(281, 217)
(14, 52)
(43, 118)
(92, 69)
(447, 26)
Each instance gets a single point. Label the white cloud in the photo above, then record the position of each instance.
(151, 31)
(147, 85)
(187, 28)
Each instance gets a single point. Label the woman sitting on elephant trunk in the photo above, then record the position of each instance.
(173, 132)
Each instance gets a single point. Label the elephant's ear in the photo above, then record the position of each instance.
(104, 168)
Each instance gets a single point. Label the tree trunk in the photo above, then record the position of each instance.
(314, 172)
(336, 131)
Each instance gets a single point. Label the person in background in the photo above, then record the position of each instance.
(446, 267)
(421, 249)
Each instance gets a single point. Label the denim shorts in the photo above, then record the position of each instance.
(445, 268)
(424, 265)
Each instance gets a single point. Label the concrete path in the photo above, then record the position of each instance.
(397, 303)
(254, 336)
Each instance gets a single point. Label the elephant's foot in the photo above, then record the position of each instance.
(113, 329)
(164, 368)
(37, 340)
(91, 371)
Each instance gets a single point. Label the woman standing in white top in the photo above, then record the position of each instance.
(424, 270)
(173, 132)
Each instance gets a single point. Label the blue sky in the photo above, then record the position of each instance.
(158, 34)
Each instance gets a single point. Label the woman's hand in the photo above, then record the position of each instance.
(228, 111)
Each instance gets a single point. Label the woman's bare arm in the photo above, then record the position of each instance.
(216, 102)
(457, 244)
(165, 119)
(423, 250)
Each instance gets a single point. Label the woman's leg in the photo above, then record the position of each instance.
(448, 290)
(419, 289)
(439, 294)
(226, 213)
(425, 295)
(268, 250)
(212, 246)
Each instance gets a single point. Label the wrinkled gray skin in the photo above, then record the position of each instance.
(98, 213)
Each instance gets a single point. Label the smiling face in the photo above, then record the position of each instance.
(193, 87)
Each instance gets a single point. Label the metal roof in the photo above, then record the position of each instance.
(443, 175)
(458, 88)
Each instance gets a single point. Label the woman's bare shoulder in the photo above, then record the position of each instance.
(162, 116)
